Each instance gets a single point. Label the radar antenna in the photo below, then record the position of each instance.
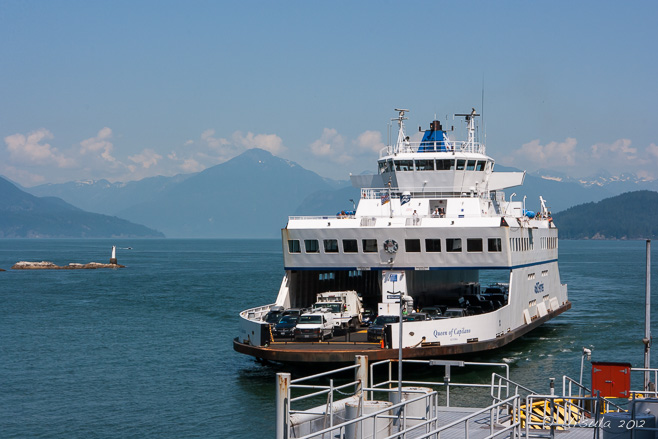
(470, 119)
(402, 138)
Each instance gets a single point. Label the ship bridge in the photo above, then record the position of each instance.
(457, 167)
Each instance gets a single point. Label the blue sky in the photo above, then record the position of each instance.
(124, 90)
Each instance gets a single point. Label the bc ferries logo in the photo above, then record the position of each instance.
(539, 288)
(451, 332)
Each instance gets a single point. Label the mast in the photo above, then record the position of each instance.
(470, 119)
(402, 137)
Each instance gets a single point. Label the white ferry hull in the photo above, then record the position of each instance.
(429, 235)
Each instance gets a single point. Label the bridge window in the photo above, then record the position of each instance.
(404, 165)
(474, 244)
(480, 166)
(412, 245)
(470, 166)
(461, 164)
(495, 245)
(433, 245)
(424, 165)
(350, 246)
(454, 245)
(331, 246)
(445, 165)
(312, 246)
(369, 245)
(293, 246)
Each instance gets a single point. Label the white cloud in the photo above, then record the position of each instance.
(268, 142)
(209, 137)
(330, 146)
(553, 153)
(33, 149)
(621, 149)
(146, 158)
(616, 158)
(370, 141)
(652, 151)
(99, 144)
(191, 165)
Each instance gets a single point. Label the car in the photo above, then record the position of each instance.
(415, 317)
(286, 326)
(376, 330)
(367, 317)
(433, 312)
(455, 312)
(274, 315)
(294, 311)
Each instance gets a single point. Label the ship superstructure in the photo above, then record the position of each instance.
(431, 220)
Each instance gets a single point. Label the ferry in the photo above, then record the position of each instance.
(433, 230)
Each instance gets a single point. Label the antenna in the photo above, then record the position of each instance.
(484, 126)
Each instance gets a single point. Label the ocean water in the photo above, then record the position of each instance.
(146, 351)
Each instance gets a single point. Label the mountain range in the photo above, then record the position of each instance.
(252, 195)
(25, 216)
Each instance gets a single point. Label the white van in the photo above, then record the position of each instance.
(315, 326)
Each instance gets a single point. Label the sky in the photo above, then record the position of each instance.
(123, 90)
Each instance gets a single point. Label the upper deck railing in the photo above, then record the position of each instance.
(431, 193)
(433, 146)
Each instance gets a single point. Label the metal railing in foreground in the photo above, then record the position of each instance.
(447, 382)
(358, 414)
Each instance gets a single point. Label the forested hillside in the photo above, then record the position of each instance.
(633, 215)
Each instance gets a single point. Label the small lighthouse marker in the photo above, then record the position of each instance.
(113, 259)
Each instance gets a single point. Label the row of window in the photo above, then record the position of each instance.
(521, 244)
(549, 242)
(452, 245)
(431, 165)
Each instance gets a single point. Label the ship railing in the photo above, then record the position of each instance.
(430, 192)
(540, 413)
(648, 373)
(371, 220)
(501, 387)
(433, 146)
(447, 382)
(256, 313)
(381, 422)
(329, 418)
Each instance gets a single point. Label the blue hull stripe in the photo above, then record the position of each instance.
(380, 268)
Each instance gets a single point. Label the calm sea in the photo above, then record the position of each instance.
(145, 351)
